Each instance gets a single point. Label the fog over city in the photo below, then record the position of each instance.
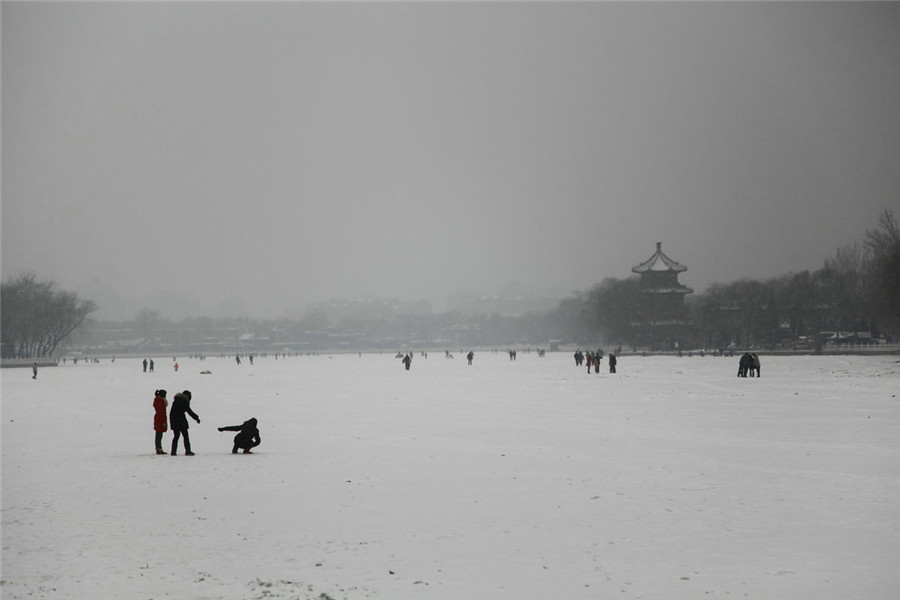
(206, 158)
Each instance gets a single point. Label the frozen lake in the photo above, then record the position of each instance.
(672, 479)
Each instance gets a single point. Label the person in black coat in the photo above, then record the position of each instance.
(181, 405)
(247, 437)
(744, 364)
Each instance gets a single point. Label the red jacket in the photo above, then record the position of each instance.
(159, 419)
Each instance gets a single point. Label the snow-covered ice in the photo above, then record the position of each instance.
(672, 479)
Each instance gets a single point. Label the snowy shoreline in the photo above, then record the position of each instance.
(891, 350)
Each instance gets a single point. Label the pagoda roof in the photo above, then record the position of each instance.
(659, 262)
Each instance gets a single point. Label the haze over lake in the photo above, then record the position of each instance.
(219, 158)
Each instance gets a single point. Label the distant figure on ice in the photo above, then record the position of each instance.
(251, 359)
(744, 364)
(145, 365)
(176, 367)
(589, 359)
(754, 364)
(470, 356)
(181, 404)
(34, 371)
(160, 425)
(407, 360)
(237, 358)
(579, 358)
(247, 438)
(151, 365)
(612, 362)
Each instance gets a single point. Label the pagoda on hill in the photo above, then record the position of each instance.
(661, 322)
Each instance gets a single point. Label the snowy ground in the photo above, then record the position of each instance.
(672, 479)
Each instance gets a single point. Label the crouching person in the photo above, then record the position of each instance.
(247, 437)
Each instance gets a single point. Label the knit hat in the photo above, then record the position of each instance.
(187, 393)
(161, 393)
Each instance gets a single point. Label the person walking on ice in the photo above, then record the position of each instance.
(181, 404)
(247, 437)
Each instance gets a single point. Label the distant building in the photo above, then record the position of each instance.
(662, 315)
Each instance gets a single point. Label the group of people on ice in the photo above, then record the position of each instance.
(247, 437)
(237, 358)
(407, 358)
(749, 363)
(594, 359)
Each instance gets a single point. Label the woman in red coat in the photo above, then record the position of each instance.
(160, 424)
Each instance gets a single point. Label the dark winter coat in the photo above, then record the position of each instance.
(248, 435)
(159, 418)
(744, 364)
(181, 405)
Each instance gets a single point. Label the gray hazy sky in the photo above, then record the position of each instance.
(287, 153)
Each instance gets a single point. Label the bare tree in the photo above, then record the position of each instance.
(35, 318)
(884, 242)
